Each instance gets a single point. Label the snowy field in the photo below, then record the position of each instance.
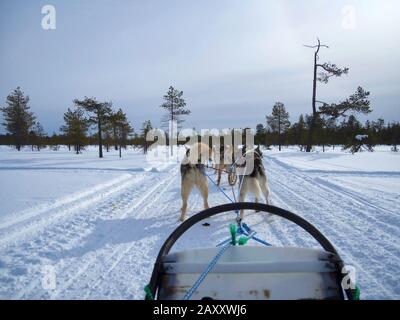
(95, 225)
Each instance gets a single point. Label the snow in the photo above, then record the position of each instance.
(96, 225)
(361, 137)
(27, 190)
(381, 161)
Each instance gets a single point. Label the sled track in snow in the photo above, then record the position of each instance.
(20, 226)
(91, 270)
(103, 241)
(355, 226)
(128, 268)
(50, 239)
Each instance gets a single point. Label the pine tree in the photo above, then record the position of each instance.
(107, 134)
(299, 131)
(99, 112)
(75, 128)
(260, 134)
(146, 127)
(394, 134)
(37, 137)
(356, 103)
(121, 128)
(322, 131)
(110, 129)
(175, 106)
(278, 121)
(377, 129)
(18, 119)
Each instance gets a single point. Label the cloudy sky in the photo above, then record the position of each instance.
(233, 59)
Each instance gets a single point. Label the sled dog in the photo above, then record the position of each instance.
(256, 181)
(192, 174)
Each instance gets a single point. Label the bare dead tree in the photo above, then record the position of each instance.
(330, 70)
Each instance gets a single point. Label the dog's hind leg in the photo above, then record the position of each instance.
(203, 188)
(256, 201)
(186, 187)
(219, 175)
(257, 192)
(265, 190)
(242, 196)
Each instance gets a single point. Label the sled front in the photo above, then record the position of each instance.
(252, 273)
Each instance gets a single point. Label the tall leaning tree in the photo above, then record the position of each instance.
(329, 70)
(18, 119)
(175, 106)
(98, 115)
(356, 103)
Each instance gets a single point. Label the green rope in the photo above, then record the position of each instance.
(233, 230)
(243, 241)
(147, 290)
(357, 293)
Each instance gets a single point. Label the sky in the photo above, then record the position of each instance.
(233, 59)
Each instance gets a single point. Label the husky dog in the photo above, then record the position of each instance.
(192, 174)
(256, 181)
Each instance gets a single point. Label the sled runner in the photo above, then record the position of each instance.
(240, 271)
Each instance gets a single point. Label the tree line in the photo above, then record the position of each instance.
(113, 130)
(279, 131)
(89, 122)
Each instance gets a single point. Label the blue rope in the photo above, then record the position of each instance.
(262, 241)
(224, 193)
(220, 189)
(247, 231)
(211, 265)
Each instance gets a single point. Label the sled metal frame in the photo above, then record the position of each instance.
(304, 224)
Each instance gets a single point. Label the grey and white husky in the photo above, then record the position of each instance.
(192, 174)
(256, 181)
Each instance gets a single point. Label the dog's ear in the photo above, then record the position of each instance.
(187, 150)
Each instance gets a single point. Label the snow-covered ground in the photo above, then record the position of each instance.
(95, 225)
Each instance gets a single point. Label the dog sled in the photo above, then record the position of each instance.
(239, 270)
